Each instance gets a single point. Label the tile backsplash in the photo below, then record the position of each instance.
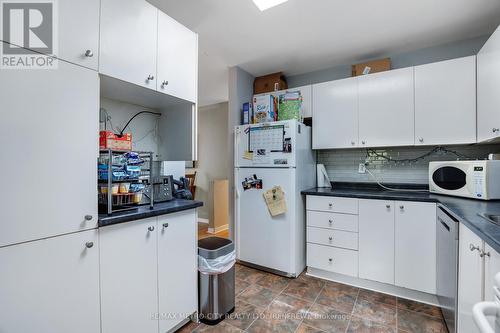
(342, 164)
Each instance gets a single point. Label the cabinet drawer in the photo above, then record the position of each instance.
(332, 204)
(346, 222)
(329, 237)
(332, 259)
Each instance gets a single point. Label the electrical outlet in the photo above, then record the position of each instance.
(362, 168)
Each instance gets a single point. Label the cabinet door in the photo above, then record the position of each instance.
(79, 32)
(386, 108)
(335, 114)
(376, 240)
(470, 278)
(129, 277)
(51, 285)
(416, 246)
(488, 81)
(491, 269)
(445, 102)
(177, 59)
(50, 129)
(177, 267)
(128, 41)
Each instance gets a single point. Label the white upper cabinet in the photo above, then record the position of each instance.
(51, 285)
(376, 240)
(488, 83)
(177, 59)
(335, 114)
(386, 108)
(129, 277)
(177, 266)
(416, 246)
(445, 102)
(128, 41)
(51, 171)
(79, 32)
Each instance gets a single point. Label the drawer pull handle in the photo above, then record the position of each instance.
(388, 206)
(330, 238)
(330, 221)
(330, 259)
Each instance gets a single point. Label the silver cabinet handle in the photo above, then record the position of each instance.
(88, 217)
(363, 142)
(330, 221)
(353, 143)
(485, 254)
(165, 225)
(421, 140)
(164, 83)
(151, 77)
(330, 259)
(89, 53)
(474, 248)
(388, 206)
(495, 130)
(150, 229)
(330, 205)
(89, 245)
(401, 207)
(330, 238)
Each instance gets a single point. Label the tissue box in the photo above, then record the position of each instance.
(264, 108)
(109, 140)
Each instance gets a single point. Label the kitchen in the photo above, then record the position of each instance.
(363, 189)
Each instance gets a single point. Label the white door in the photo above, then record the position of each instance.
(49, 124)
(177, 59)
(386, 108)
(445, 102)
(488, 81)
(376, 240)
(415, 251)
(177, 267)
(128, 41)
(335, 114)
(470, 278)
(129, 277)
(262, 239)
(491, 268)
(78, 28)
(51, 285)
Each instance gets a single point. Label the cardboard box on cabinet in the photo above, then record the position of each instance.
(371, 67)
(269, 83)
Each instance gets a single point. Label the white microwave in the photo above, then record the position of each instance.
(470, 179)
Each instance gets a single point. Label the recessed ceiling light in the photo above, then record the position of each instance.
(266, 4)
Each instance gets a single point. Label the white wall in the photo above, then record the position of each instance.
(213, 151)
(144, 129)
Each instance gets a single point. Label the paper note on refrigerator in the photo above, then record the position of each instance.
(275, 201)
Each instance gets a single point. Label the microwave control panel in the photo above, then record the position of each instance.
(478, 178)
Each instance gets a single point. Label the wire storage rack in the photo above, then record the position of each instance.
(114, 183)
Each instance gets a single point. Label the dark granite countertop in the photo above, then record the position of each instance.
(466, 210)
(143, 212)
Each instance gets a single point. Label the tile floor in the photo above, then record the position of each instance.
(270, 303)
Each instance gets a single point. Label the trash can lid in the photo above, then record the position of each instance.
(214, 247)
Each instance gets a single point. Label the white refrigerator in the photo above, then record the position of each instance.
(268, 155)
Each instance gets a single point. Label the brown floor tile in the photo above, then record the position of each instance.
(273, 325)
(359, 325)
(373, 296)
(188, 328)
(308, 329)
(248, 274)
(288, 307)
(273, 282)
(326, 319)
(257, 296)
(415, 322)
(244, 315)
(303, 289)
(221, 327)
(331, 285)
(339, 299)
(427, 309)
(240, 285)
(379, 312)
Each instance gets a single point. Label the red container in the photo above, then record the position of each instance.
(109, 140)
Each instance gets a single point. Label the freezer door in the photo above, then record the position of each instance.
(270, 145)
(261, 239)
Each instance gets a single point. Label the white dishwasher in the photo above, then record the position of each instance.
(487, 314)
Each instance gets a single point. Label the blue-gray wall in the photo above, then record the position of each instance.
(423, 56)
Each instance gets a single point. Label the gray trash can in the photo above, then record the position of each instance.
(216, 291)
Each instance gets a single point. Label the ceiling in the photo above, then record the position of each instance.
(306, 35)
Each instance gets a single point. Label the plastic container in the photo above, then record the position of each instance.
(114, 189)
(124, 188)
(137, 197)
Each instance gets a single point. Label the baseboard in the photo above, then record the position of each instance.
(202, 220)
(375, 286)
(218, 229)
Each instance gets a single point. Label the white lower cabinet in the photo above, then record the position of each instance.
(332, 259)
(51, 285)
(415, 249)
(376, 240)
(177, 268)
(149, 273)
